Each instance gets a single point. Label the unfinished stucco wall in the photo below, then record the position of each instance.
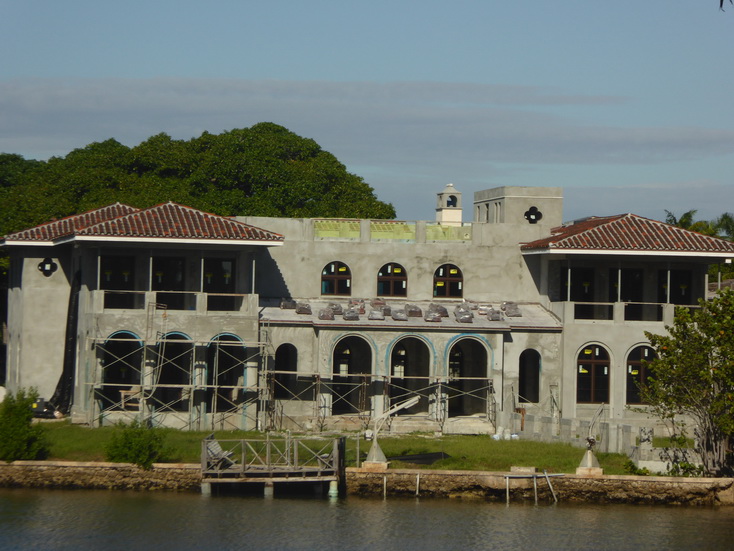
(490, 261)
(509, 204)
(37, 311)
(549, 346)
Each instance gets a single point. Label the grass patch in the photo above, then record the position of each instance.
(79, 443)
(482, 453)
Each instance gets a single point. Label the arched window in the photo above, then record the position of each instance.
(448, 282)
(637, 372)
(592, 377)
(336, 279)
(529, 382)
(392, 281)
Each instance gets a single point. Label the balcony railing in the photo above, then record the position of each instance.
(617, 312)
(174, 300)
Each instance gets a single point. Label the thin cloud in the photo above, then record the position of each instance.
(403, 137)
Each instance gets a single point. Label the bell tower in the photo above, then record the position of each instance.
(448, 206)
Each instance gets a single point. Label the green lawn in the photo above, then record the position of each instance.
(79, 443)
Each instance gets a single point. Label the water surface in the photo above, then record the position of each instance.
(57, 519)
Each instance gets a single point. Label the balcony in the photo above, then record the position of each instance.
(183, 301)
(615, 312)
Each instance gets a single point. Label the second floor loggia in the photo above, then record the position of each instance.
(624, 268)
(184, 281)
(591, 289)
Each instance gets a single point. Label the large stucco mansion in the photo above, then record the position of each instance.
(197, 321)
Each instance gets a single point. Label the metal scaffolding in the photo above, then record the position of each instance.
(166, 379)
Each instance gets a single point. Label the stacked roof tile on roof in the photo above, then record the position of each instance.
(628, 232)
(166, 221)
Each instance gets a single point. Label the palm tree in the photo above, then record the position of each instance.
(724, 225)
(687, 222)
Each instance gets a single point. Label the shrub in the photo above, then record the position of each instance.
(633, 469)
(684, 468)
(136, 443)
(20, 438)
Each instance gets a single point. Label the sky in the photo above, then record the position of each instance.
(626, 105)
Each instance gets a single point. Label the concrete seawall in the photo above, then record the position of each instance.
(568, 488)
(107, 476)
(394, 482)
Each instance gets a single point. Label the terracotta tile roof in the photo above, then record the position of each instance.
(166, 221)
(174, 221)
(67, 226)
(628, 232)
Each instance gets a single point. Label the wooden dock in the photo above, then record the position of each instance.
(270, 462)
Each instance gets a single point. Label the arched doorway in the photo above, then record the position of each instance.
(468, 384)
(225, 370)
(351, 369)
(172, 375)
(410, 363)
(529, 377)
(285, 380)
(121, 359)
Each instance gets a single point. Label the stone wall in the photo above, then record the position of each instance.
(397, 482)
(108, 476)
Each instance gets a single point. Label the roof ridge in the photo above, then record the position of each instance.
(70, 219)
(174, 220)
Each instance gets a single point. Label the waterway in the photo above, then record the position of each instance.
(103, 520)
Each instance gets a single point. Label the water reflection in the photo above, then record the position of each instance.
(31, 519)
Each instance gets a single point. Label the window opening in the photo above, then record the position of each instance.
(219, 279)
(392, 281)
(336, 279)
(637, 372)
(117, 273)
(168, 274)
(448, 282)
(592, 379)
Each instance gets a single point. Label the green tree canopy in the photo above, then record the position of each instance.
(265, 170)
(693, 377)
